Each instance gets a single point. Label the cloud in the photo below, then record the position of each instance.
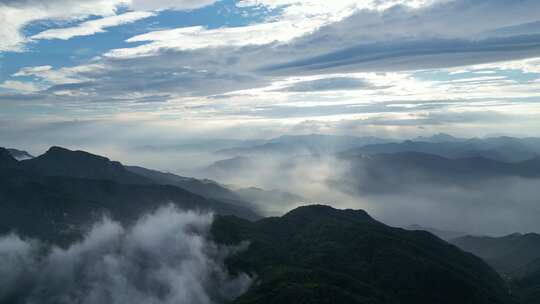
(295, 18)
(530, 65)
(359, 59)
(198, 37)
(11, 97)
(66, 75)
(165, 257)
(169, 4)
(92, 27)
(330, 84)
(19, 86)
(413, 55)
(15, 15)
(446, 33)
(357, 39)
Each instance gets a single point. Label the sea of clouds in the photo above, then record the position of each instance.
(166, 257)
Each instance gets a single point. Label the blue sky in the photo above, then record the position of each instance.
(160, 71)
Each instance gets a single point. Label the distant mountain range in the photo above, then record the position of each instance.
(390, 172)
(399, 171)
(504, 149)
(303, 144)
(441, 158)
(443, 176)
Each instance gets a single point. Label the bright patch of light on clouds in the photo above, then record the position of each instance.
(14, 16)
(59, 76)
(296, 19)
(19, 86)
(530, 65)
(192, 38)
(169, 4)
(92, 27)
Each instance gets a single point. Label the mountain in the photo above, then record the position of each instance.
(266, 201)
(303, 144)
(318, 254)
(505, 149)
(443, 234)
(515, 256)
(527, 288)
(200, 145)
(382, 173)
(58, 161)
(54, 196)
(438, 138)
(20, 155)
(223, 168)
(511, 255)
(6, 159)
(206, 188)
(270, 201)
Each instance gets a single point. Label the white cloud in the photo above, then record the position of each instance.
(190, 64)
(60, 76)
(530, 65)
(19, 86)
(166, 257)
(297, 18)
(192, 38)
(15, 15)
(92, 27)
(169, 4)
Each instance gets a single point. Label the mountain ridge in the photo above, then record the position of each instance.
(318, 254)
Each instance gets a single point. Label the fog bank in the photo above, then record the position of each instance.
(166, 257)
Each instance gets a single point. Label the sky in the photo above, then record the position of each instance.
(119, 73)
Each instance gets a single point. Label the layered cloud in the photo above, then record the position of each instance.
(349, 38)
(387, 64)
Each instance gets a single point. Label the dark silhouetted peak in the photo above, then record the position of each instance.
(322, 212)
(58, 161)
(6, 159)
(66, 154)
(20, 155)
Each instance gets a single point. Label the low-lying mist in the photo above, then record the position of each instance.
(396, 195)
(166, 257)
